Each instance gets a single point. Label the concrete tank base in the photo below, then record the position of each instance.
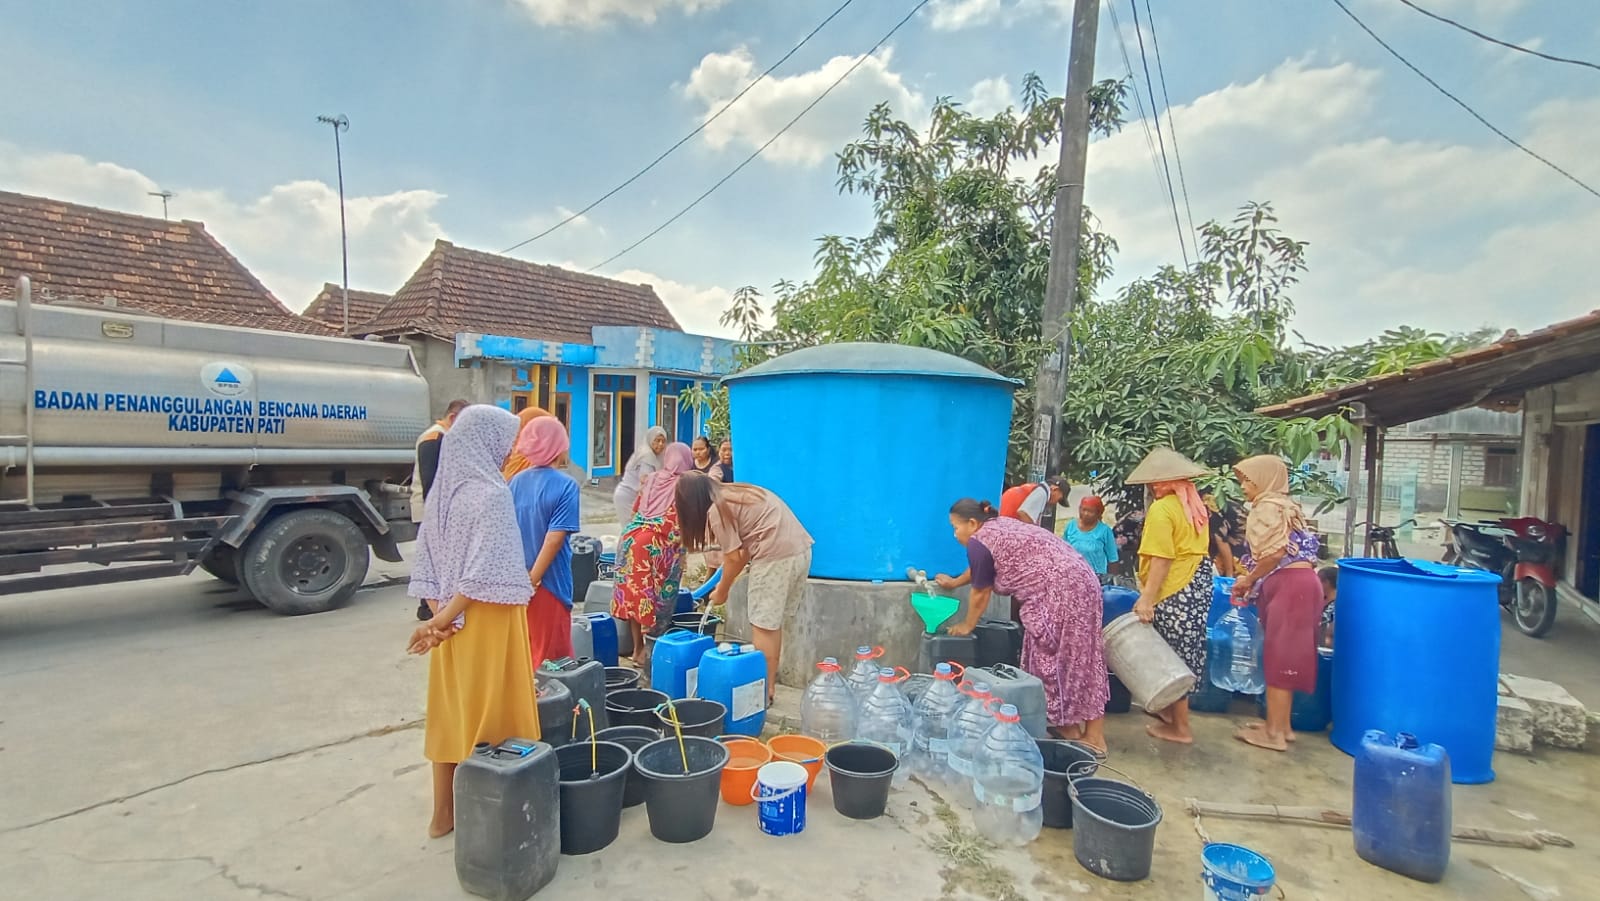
(836, 617)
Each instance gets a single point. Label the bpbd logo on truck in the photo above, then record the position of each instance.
(227, 410)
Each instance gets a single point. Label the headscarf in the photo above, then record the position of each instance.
(517, 462)
(1273, 514)
(1093, 503)
(1189, 497)
(542, 441)
(655, 497)
(645, 453)
(469, 542)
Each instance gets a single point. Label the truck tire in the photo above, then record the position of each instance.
(305, 561)
(223, 563)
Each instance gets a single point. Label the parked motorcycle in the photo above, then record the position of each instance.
(1524, 552)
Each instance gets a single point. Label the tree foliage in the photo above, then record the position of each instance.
(956, 261)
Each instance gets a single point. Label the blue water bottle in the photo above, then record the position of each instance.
(1401, 815)
(735, 676)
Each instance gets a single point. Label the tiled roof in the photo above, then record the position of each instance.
(172, 269)
(328, 306)
(461, 290)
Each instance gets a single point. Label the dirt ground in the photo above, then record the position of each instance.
(169, 740)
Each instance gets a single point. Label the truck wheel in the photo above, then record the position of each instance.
(305, 561)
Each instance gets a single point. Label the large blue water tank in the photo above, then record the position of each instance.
(1419, 652)
(870, 444)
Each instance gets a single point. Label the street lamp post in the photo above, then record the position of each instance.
(341, 123)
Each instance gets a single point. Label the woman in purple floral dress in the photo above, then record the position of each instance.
(1059, 594)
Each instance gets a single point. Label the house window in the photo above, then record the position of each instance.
(667, 414)
(1500, 467)
(600, 456)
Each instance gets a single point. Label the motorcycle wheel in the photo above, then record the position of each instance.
(1535, 608)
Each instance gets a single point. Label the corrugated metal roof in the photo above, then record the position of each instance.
(1497, 374)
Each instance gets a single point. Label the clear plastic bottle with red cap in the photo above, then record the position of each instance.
(886, 720)
(972, 722)
(863, 678)
(930, 735)
(828, 709)
(1008, 783)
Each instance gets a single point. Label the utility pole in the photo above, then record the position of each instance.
(341, 123)
(1061, 284)
(165, 196)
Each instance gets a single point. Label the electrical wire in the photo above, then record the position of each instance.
(1138, 99)
(685, 139)
(1494, 40)
(770, 141)
(1461, 103)
(1172, 129)
(1160, 141)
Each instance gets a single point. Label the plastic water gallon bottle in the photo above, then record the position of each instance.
(973, 720)
(864, 675)
(930, 737)
(886, 720)
(1240, 669)
(828, 710)
(1008, 784)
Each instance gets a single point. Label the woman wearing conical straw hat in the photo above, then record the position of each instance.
(1175, 572)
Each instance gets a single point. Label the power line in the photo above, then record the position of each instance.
(1160, 141)
(1138, 99)
(1459, 102)
(1494, 40)
(1172, 129)
(759, 150)
(685, 139)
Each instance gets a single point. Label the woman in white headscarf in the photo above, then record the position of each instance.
(469, 569)
(645, 460)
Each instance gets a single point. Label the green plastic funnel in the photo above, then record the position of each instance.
(934, 609)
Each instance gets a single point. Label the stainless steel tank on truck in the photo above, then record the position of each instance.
(151, 446)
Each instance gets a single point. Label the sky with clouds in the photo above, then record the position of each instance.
(487, 121)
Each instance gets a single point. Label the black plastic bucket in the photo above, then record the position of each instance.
(621, 678)
(593, 779)
(696, 716)
(859, 773)
(1114, 828)
(1063, 761)
(633, 738)
(682, 802)
(697, 622)
(634, 707)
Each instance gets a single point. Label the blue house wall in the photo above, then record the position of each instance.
(649, 364)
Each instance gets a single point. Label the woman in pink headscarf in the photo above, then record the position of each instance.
(650, 554)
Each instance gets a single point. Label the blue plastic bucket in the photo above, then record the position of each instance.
(1234, 873)
(780, 796)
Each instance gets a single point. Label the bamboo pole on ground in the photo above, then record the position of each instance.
(1534, 840)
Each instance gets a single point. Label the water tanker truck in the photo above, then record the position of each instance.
(135, 447)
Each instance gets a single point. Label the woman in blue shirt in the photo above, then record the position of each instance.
(1091, 537)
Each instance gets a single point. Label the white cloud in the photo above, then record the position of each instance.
(287, 237)
(955, 15)
(1432, 233)
(776, 100)
(697, 307)
(593, 13)
(991, 96)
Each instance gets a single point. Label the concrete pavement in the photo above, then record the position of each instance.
(169, 740)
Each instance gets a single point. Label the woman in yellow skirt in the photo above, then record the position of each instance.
(469, 569)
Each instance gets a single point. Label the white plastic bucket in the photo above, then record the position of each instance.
(780, 796)
(1155, 675)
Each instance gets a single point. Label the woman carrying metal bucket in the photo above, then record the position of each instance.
(1060, 607)
(1175, 572)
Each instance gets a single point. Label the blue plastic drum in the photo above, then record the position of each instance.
(1419, 652)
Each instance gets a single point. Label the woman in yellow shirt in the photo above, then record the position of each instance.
(1175, 572)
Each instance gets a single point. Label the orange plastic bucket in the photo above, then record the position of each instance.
(745, 757)
(802, 749)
